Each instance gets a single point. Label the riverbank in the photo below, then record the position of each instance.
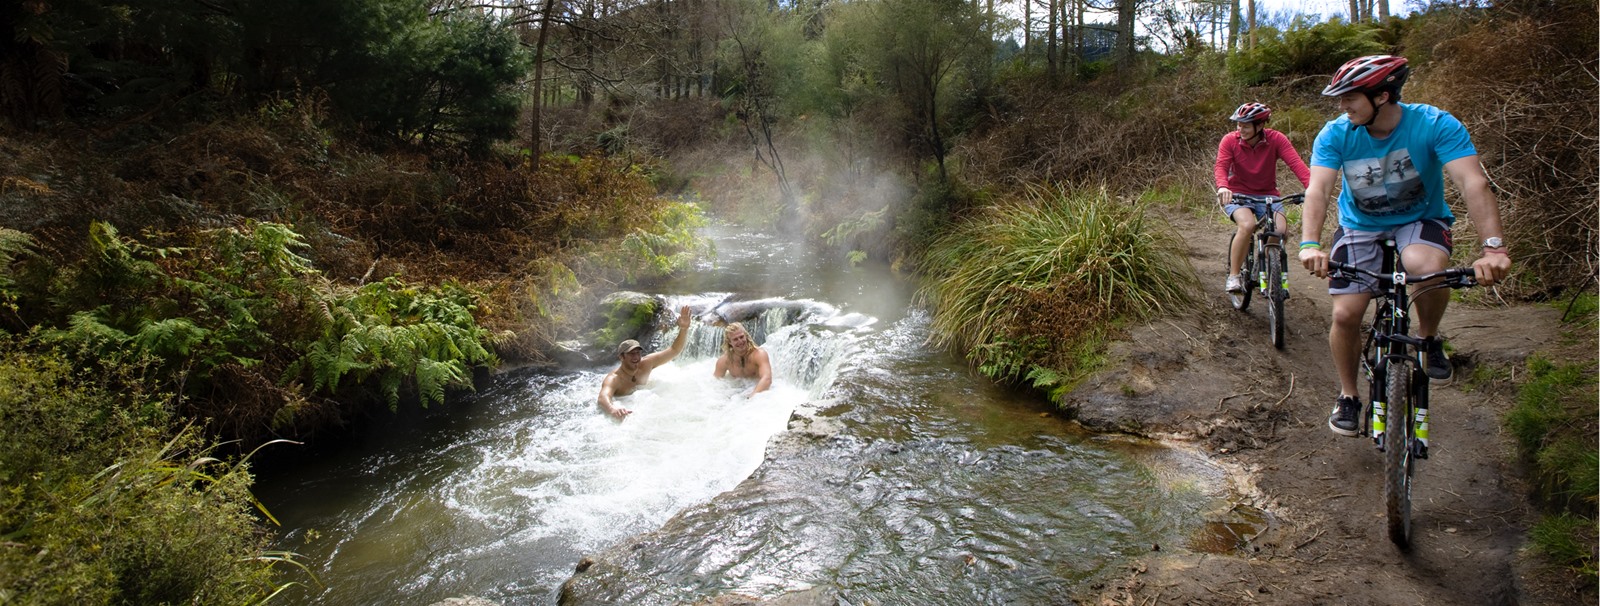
(1212, 379)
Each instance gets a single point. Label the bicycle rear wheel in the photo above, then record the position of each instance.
(1275, 295)
(1398, 464)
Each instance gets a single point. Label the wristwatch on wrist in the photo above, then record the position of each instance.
(1494, 242)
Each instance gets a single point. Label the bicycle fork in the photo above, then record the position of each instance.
(1378, 379)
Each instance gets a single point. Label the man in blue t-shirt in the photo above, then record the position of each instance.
(1393, 157)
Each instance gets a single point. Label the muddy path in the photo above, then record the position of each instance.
(1212, 378)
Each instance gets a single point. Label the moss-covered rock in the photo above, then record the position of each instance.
(620, 316)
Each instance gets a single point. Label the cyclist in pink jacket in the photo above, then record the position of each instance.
(1246, 171)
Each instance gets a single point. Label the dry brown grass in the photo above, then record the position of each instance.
(1126, 132)
(1525, 86)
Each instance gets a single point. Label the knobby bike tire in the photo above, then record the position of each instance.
(1241, 300)
(1398, 464)
(1275, 294)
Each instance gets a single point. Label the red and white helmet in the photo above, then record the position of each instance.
(1251, 112)
(1368, 74)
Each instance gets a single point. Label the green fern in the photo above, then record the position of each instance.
(398, 336)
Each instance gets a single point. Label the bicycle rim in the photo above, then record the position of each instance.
(1275, 296)
(1398, 465)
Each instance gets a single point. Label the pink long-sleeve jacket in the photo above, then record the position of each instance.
(1253, 169)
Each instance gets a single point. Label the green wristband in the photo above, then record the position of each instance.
(1310, 244)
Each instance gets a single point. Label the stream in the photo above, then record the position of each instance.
(933, 486)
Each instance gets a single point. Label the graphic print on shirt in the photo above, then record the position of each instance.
(1385, 186)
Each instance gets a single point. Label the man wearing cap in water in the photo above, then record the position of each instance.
(635, 368)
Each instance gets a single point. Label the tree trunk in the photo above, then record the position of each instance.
(1050, 46)
(1125, 18)
(1252, 22)
(1355, 11)
(1233, 25)
(1027, 25)
(1069, 51)
(538, 85)
(1383, 10)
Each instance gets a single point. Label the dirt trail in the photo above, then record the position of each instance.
(1213, 377)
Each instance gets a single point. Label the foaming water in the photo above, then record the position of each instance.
(542, 477)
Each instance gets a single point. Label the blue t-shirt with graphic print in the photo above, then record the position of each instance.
(1398, 179)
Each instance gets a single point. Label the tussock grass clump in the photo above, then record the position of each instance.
(1028, 287)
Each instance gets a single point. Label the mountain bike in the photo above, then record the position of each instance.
(1264, 263)
(1393, 361)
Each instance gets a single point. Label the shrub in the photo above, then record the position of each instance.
(103, 502)
(1305, 49)
(232, 324)
(1026, 287)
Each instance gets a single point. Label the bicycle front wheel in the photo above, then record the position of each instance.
(1275, 295)
(1398, 464)
(1241, 299)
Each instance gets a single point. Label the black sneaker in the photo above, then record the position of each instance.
(1345, 419)
(1438, 366)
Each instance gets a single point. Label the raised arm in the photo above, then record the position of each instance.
(662, 357)
(605, 400)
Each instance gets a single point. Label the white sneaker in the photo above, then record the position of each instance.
(1234, 285)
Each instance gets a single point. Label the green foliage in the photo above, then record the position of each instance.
(1540, 401)
(1306, 49)
(226, 301)
(13, 244)
(1026, 288)
(624, 318)
(396, 336)
(231, 323)
(448, 77)
(1555, 425)
(923, 53)
(1567, 540)
(103, 502)
(669, 247)
(393, 67)
(852, 232)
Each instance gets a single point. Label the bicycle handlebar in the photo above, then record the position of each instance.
(1454, 277)
(1289, 199)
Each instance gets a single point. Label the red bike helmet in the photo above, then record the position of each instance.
(1369, 75)
(1251, 112)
